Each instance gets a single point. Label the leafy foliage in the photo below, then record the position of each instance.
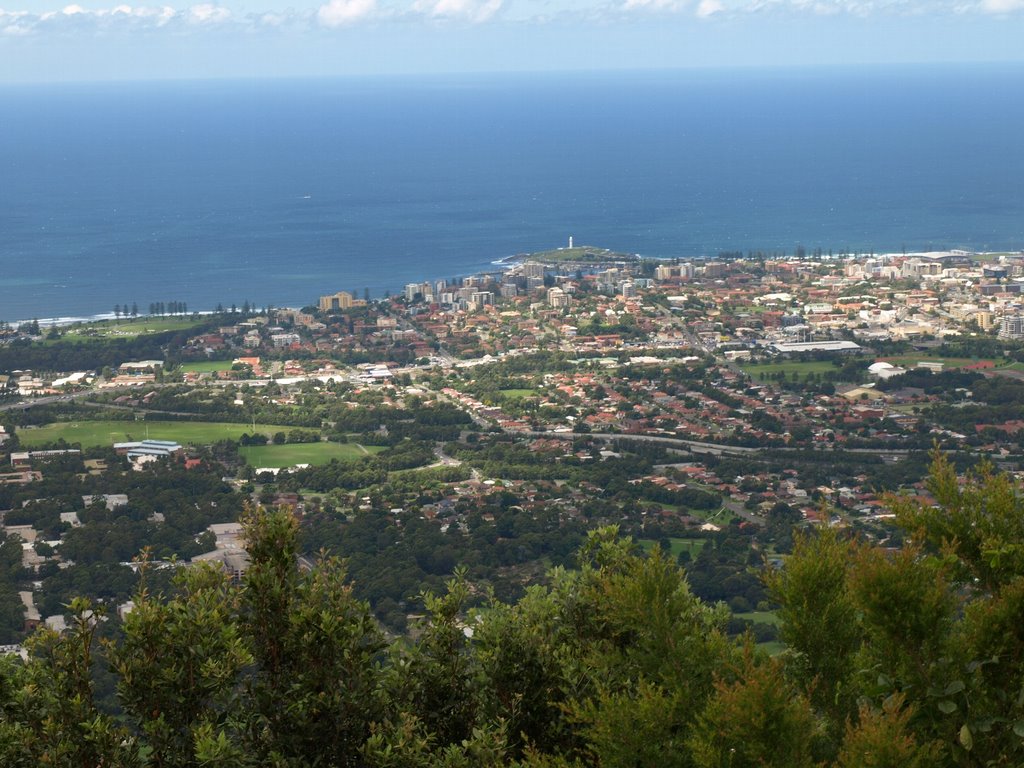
(895, 658)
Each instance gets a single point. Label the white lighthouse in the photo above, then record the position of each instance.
(570, 241)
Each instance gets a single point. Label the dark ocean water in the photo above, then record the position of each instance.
(277, 192)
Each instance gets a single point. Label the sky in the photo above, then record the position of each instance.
(45, 41)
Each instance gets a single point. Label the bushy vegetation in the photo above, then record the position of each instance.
(909, 658)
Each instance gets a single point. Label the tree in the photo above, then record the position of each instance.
(912, 657)
(437, 680)
(979, 521)
(315, 646)
(883, 738)
(49, 713)
(758, 720)
(180, 662)
(819, 619)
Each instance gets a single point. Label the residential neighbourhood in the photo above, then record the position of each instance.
(493, 420)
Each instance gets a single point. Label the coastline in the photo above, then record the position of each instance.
(509, 262)
(284, 197)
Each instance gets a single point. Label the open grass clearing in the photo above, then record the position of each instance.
(126, 329)
(206, 366)
(801, 368)
(773, 647)
(948, 363)
(90, 433)
(693, 546)
(580, 253)
(759, 617)
(517, 393)
(304, 453)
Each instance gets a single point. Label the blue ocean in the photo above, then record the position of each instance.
(276, 192)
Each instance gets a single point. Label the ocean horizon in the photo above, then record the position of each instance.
(276, 192)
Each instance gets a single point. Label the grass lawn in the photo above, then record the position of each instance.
(762, 617)
(719, 517)
(802, 369)
(694, 546)
(304, 453)
(772, 648)
(911, 361)
(127, 329)
(517, 393)
(580, 253)
(207, 366)
(89, 433)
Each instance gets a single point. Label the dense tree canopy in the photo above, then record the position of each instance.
(906, 658)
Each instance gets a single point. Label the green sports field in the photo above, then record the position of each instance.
(126, 329)
(304, 453)
(90, 433)
(516, 394)
(788, 368)
(206, 366)
(949, 363)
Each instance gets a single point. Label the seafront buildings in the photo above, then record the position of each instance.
(720, 362)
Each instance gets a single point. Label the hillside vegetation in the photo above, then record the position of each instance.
(909, 658)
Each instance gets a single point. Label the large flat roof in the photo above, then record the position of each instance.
(815, 346)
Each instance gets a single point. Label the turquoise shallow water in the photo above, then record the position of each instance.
(277, 192)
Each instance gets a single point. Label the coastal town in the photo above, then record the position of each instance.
(711, 407)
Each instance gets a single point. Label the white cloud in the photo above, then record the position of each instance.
(203, 15)
(272, 19)
(860, 8)
(207, 13)
(1002, 6)
(651, 5)
(122, 16)
(338, 13)
(476, 11)
(708, 8)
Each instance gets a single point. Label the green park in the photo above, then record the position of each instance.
(291, 454)
(93, 433)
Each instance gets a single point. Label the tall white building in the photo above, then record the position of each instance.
(532, 269)
(558, 298)
(1011, 327)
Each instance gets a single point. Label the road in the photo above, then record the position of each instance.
(694, 446)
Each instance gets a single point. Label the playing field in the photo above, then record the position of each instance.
(90, 433)
(126, 329)
(948, 363)
(517, 393)
(802, 369)
(304, 453)
(206, 366)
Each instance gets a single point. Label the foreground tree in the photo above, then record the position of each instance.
(315, 690)
(909, 658)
